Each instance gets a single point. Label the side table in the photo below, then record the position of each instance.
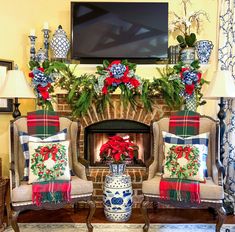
(117, 197)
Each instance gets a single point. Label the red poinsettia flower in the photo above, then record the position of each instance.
(117, 157)
(189, 89)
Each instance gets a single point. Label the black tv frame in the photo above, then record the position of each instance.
(99, 60)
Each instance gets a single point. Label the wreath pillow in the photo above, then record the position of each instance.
(25, 138)
(202, 139)
(48, 161)
(184, 161)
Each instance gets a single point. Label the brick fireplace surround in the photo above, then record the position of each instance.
(97, 174)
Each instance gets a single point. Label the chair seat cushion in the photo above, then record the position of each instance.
(78, 187)
(208, 190)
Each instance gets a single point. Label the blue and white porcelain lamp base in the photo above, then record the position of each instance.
(117, 198)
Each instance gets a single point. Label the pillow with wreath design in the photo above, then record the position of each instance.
(184, 161)
(48, 161)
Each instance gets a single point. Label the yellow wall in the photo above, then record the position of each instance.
(18, 17)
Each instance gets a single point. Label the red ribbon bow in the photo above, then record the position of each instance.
(45, 151)
(179, 150)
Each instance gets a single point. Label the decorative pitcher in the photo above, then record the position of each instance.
(204, 48)
(60, 44)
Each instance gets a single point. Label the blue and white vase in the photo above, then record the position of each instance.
(117, 198)
(204, 49)
(187, 55)
(60, 44)
(117, 168)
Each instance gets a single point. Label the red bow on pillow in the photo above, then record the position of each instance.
(179, 150)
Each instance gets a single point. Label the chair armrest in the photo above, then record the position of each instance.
(220, 168)
(151, 171)
(83, 162)
(80, 170)
(14, 176)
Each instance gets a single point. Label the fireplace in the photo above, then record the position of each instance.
(95, 135)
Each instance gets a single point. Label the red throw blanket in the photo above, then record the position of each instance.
(43, 123)
(182, 123)
(180, 190)
(54, 191)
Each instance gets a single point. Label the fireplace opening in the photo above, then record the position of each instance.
(99, 133)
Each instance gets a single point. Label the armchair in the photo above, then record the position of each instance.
(21, 191)
(211, 192)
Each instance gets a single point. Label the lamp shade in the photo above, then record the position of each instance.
(16, 86)
(221, 86)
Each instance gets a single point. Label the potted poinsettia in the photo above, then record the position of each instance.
(185, 24)
(116, 151)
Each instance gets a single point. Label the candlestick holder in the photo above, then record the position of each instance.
(32, 48)
(46, 33)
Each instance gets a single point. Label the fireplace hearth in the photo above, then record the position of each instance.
(95, 135)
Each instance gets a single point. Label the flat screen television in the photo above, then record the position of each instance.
(115, 30)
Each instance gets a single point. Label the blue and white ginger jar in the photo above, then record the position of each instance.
(60, 44)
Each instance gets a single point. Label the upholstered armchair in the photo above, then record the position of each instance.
(211, 192)
(21, 191)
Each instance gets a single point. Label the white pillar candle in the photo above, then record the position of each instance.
(46, 25)
(32, 32)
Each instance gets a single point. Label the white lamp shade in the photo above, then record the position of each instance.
(16, 86)
(222, 85)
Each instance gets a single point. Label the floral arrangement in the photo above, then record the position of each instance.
(118, 149)
(191, 78)
(42, 78)
(185, 23)
(118, 74)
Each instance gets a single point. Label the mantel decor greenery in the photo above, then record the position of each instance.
(176, 85)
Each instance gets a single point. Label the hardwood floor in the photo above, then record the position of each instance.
(156, 216)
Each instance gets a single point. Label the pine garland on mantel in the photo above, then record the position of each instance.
(98, 88)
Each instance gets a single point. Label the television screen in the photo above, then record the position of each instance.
(114, 30)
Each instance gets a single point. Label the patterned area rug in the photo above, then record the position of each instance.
(74, 227)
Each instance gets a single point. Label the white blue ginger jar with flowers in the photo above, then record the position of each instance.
(117, 195)
(60, 44)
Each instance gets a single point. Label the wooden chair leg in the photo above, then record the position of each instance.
(13, 220)
(220, 218)
(92, 208)
(143, 208)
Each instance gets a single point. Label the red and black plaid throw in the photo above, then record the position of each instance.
(184, 123)
(42, 123)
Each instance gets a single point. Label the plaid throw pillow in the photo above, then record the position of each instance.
(25, 139)
(201, 139)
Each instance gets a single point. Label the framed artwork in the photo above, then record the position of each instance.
(6, 105)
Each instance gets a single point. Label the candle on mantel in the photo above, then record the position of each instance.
(32, 32)
(46, 25)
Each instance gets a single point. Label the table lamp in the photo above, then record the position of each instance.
(222, 86)
(16, 86)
